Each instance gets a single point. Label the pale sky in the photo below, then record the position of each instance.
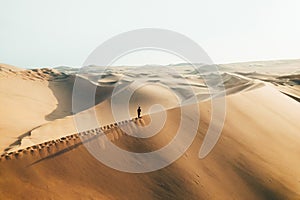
(39, 33)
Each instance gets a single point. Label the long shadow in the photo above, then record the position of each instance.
(291, 96)
(69, 148)
(65, 150)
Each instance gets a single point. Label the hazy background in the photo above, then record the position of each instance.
(35, 33)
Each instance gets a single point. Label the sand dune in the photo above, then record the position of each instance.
(283, 74)
(34, 98)
(249, 161)
(146, 96)
(256, 156)
(287, 84)
(66, 126)
(24, 101)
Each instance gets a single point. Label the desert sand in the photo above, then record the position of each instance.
(256, 157)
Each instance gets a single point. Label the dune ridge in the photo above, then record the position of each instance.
(112, 131)
(248, 162)
(256, 156)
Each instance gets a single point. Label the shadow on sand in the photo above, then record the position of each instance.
(62, 89)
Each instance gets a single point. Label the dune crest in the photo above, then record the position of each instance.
(45, 156)
(54, 147)
(248, 162)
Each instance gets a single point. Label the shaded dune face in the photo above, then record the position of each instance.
(248, 162)
(35, 98)
(256, 157)
(47, 95)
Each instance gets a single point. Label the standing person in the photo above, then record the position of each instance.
(139, 110)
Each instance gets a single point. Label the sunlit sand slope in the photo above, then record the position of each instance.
(256, 157)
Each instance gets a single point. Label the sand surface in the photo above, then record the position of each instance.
(256, 157)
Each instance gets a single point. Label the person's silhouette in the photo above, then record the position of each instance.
(139, 110)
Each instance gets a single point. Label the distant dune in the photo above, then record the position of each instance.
(256, 157)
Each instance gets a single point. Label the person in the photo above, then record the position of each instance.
(139, 110)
